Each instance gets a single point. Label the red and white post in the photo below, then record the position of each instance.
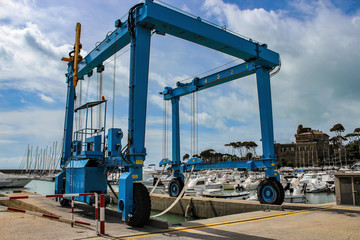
(96, 212)
(72, 211)
(102, 214)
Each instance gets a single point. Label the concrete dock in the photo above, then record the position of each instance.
(292, 221)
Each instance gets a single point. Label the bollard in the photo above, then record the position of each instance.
(102, 214)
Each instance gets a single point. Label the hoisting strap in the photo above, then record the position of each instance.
(179, 197)
(158, 180)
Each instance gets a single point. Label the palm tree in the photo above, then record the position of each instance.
(227, 145)
(186, 156)
(233, 145)
(207, 154)
(338, 129)
(253, 147)
(239, 146)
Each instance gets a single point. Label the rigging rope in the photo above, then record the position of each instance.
(179, 197)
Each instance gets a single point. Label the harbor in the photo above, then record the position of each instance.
(303, 221)
(159, 119)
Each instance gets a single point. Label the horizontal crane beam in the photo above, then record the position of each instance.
(195, 30)
(250, 165)
(117, 40)
(221, 77)
(165, 20)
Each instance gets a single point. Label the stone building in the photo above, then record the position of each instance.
(311, 148)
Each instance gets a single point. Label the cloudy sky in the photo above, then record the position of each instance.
(318, 85)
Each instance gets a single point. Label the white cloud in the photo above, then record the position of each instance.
(30, 62)
(7, 141)
(46, 98)
(316, 86)
(320, 61)
(34, 126)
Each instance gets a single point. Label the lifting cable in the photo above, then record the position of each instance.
(114, 85)
(167, 131)
(100, 91)
(197, 122)
(80, 103)
(194, 124)
(164, 142)
(179, 197)
(191, 125)
(87, 89)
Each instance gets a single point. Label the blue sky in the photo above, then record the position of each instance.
(317, 85)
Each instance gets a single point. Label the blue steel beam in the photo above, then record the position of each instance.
(69, 117)
(248, 165)
(176, 161)
(265, 109)
(138, 88)
(221, 77)
(195, 30)
(117, 40)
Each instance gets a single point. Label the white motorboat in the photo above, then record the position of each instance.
(4, 183)
(314, 182)
(249, 184)
(295, 192)
(13, 181)
(198, 185)
(218, 193)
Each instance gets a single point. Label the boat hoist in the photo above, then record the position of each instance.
(89, 154)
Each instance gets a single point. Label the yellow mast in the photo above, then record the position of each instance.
(76, 58)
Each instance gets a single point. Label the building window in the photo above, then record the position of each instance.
(292, 149)
(305, 148)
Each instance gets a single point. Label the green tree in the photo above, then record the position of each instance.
(249, 156)
(233, 146)
(228, 146)
(338, 129)
(299, 129)
(186, 156)
(207, 155)
(253, 147)
(239, 146)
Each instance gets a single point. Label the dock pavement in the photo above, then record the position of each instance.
(295, 221)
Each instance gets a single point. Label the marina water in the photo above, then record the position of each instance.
(46, 187)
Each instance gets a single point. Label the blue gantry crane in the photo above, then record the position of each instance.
(90, 153)
(270, 190)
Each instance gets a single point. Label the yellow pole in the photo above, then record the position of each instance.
(77, 53)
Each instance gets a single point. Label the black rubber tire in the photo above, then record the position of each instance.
(281, 192)
(64, 202)
(175, 187)
(141, 214)
(277, 192)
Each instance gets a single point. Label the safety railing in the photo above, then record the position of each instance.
(72, 220)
